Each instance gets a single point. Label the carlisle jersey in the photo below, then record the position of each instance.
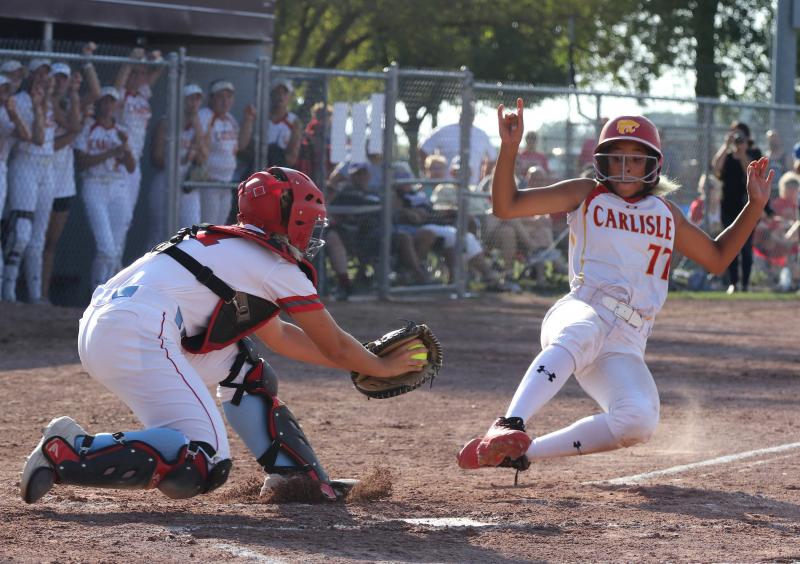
(622, 246)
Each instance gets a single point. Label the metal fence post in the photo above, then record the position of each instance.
(464, 175)
(263, 79)
(390, 100)
(175, 81)
(706, 138)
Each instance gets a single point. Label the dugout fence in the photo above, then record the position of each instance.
(378, 119)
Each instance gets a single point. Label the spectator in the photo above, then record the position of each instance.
(12, 128)
(31, 184)
(786, 204)
(105, 160)
(223, 139)
(586, 156)
(730, 165)
(135, 81)
(780, 160)
(446, 141)
(314, 158)
(68, 113)
(285, 128)
(530, 157)
(193, 153)
(444, 201)
(709, 191)
(14, 71)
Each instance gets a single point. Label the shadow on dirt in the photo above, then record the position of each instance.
(320, 530)
(714, 504)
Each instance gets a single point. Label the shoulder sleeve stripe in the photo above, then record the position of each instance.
(296, 304)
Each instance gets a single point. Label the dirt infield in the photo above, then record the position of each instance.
(729, 377)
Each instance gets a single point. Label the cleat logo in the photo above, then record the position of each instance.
(550, 375)
(54, 449)
(577, 445)
(627, 126)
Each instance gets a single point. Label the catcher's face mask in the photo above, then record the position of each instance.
(317, 239)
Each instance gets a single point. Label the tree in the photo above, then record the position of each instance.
(714, 40)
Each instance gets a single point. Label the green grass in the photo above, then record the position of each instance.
(747, 296)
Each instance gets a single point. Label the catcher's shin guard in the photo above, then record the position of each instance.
(133, 464)
(279, 444)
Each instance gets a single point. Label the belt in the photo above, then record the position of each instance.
(623, 311)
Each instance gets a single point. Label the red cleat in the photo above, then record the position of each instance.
(505, 440)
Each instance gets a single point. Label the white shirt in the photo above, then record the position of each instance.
(134, 117)
(446, 140)
(7, 128)
(95, 139)
(280, 132)
(25, 112)
(243, 265)
(223, 144)
(622, 247)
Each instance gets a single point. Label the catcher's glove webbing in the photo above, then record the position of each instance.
(381, 388)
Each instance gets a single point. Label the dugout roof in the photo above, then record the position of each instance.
(244, 20)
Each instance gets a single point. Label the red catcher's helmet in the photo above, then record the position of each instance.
(287, 202)
(629, 128)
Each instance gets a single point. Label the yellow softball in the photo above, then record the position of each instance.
(419, 356)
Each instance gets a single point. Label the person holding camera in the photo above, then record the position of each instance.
(730, 166)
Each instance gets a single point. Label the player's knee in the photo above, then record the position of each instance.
(634, 424)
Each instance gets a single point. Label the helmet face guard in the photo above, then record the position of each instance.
(602, 167)
(317, 239)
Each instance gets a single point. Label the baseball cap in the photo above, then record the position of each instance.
(109, 91)
(285, 82)
(402, 170)
(191, 89)
(60, 68)
(10, 65)
(355, 167)
(36, 63)
(218, 85)
(797, 151)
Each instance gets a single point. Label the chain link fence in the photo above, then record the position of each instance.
(386, 148)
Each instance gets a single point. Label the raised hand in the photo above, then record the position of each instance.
(75, 81)
(511, 125)
(759, 181)
(89, 48)
(250, 112)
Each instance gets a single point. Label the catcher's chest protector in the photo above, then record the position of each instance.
(237, 314)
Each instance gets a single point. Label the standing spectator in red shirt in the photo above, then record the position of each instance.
(530, 157)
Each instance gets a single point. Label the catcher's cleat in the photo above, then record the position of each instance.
(38, 475)
(505, 439)
(331, 491)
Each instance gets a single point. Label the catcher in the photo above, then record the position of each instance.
(177, 320)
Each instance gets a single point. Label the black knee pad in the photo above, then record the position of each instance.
(191, 475)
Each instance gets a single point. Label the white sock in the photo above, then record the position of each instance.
(588, 435)
(547, 373)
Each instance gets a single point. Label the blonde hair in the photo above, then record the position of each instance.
(430, 160)
(786, 179)
(665, 186)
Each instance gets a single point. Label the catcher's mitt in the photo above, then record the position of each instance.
(389, 387)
